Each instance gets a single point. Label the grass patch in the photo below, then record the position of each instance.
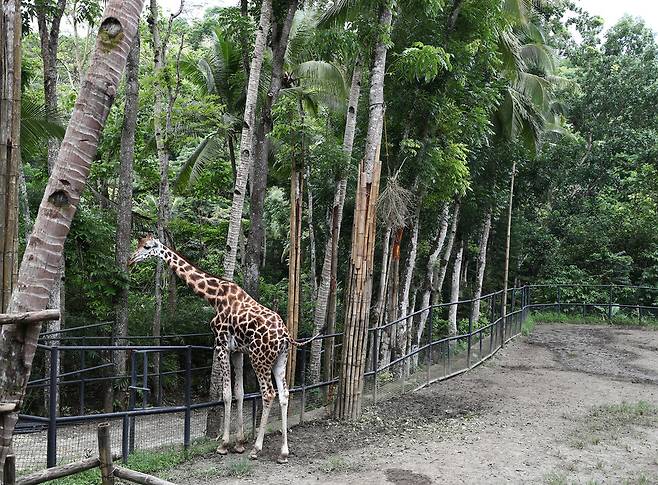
(335, 464)
(618, 318)
(150, 462)
(612, 422)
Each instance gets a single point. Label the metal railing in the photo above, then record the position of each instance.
(433, 356)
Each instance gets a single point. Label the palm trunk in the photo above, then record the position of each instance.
(325, 305)
(481, 265)
(10, 112)
(246, 141)
(454, 291)
(350, 384)
(254, 253)
(507, 244)
(124, 200)
(43, 254)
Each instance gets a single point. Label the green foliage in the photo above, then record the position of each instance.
(423, 63)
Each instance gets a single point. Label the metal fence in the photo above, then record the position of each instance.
(46, 437)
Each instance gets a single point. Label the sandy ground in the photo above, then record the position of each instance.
(546, 409)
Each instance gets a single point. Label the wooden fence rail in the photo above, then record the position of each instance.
(29, 317)
(104, 460)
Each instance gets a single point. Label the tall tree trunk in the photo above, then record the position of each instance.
(481, 265)
(392, 310)
(454, 290)
(445, 258)
(162, 128)
(357, 314)
(10, 122)
(43, 254)
(246, 141)
(125, 200)
(377, 316)
(325, 303)
(508, 240)
(255, 241)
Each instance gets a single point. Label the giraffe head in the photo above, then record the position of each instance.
(147, 247)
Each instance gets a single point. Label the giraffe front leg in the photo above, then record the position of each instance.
(225, 369)
(280, 378)
(237, 359)
(265, 381)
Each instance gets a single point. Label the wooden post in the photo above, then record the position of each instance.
(10, 470)
(105, 454)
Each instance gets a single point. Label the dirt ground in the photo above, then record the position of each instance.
(568, 404)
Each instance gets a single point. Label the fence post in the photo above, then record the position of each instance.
(133, 398)
(503, 321)
(81, 375)
(492, 328)
(376, 361)
(105, 454)
(610, 304)
(125, 434)
(145, 378)
(430, 327)
(301, 412)
(470, 335)
(188, 398)
(10, 470)
(559, 303)
(51, 459)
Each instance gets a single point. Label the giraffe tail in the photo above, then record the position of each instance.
(306, 341)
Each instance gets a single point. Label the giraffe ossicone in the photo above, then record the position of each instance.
(241, 326)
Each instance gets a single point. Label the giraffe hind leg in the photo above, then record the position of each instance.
(237, 360)
(279, 372)
(225, 368)
(267, 390)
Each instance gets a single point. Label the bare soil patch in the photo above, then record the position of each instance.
(568, 404)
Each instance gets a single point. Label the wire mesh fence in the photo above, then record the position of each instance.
(162, 398)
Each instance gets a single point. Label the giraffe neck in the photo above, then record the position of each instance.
(210, 288)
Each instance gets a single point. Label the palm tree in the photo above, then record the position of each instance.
(61, 197)
(220, 73)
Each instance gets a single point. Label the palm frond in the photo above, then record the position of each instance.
(209, 149)
(38, 125)
(337, 14)
(538, 56)
(324, 76)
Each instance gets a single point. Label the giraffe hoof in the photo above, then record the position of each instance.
(282, 459)
(253, 455)
(222, 450)
(239, 448)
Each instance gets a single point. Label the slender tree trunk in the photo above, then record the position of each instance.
(357, 314)
(43, 254)
(246, 142)
(508, 240)
(392, 310)
(10, 122)
(410, 265)
(443, 265)
(25, 203)
(454, 291)
(254, 253)
(481, 265)
(431, 270)
(385, 337)
(125, 200)
(325, 303)
(311, 232)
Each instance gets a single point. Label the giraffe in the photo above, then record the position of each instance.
(240, 326)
